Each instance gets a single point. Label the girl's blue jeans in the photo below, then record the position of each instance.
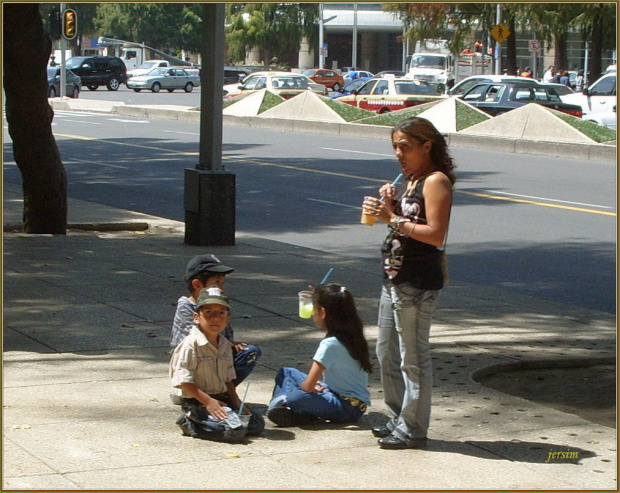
(325, 404)
(404, 353)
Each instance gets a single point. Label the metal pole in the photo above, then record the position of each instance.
(498, 45)
(354, 52)
(63, 56)
(585, 67)
(321, 55)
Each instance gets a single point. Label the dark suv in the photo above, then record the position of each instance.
(95, 71)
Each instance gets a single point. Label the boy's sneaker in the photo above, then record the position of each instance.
(182, 423)
(283, 416)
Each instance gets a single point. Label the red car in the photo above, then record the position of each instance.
(330, 79)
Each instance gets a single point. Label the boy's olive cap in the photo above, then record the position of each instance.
(212, 296)
(205, 263)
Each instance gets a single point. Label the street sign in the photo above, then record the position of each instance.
(500, 32)
(534, 45)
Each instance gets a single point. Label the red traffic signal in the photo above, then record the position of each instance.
(69, 24)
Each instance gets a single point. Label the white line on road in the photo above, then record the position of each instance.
(335, 203)
(128, 121)
(357, 152)
(175, 132)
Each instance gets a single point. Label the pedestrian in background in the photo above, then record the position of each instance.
(579, 82)
(336, 387)
(548, 77)
(413, 275)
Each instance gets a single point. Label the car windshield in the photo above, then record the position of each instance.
(158, 71)
(289, 83)
(74, 62)
(309, 73)
(428, 61)
(413, 87)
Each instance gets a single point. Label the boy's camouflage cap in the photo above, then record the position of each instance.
(212, 296)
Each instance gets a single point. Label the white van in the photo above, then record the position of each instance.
(600, 97)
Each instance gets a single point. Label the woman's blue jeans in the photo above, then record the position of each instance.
(325, 404)
(403, 350)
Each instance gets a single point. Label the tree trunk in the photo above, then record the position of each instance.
(560, 61)
(26, 51)
(511, 48)
(595, 66)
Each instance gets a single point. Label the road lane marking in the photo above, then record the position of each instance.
(348, 151)
(537, 203)
(548, 200)
(335, 203)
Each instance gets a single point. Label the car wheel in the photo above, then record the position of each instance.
(170, 90)
(156, 87)
(52, 93)
(113, 84)
(76, 92)
(189, 87)
(137, 90)
(336, 87)
(92, 87)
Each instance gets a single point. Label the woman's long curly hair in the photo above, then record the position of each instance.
(422, 130)
(342, 321)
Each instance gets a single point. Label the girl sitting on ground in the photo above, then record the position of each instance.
(342, 360)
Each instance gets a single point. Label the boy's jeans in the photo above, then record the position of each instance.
(245, 361)
(403, 350)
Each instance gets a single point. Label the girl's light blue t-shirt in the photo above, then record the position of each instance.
(343, 374)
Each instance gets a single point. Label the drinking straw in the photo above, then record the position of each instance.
(394, 183)
(245, 394)
(329, 273)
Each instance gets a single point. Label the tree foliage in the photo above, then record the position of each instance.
(169, 27)
(273, 28)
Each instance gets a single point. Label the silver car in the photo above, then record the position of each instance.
(72, 87)
(164, 78)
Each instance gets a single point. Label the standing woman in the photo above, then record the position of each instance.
(413, 268)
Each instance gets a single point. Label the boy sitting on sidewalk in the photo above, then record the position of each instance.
(202, 374)
(203, 271)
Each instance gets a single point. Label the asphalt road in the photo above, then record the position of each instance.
(533, 224)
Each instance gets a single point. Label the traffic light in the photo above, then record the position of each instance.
(55, 24)
(69, 24)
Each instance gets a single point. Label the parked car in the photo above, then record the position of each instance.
(384, 95)
(360, 74)
(285, 84)
(146, 67)
(95, 71)
(598, 98)
(561, 89)
(72, 84)
(329, 78)
(466, 84)
(233, 75)
(349, 88)
(164, 78)
(496, 98)
(391, 73)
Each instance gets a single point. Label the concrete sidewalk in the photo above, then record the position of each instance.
(87, 321)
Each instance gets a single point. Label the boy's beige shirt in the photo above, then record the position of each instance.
(197, 361)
